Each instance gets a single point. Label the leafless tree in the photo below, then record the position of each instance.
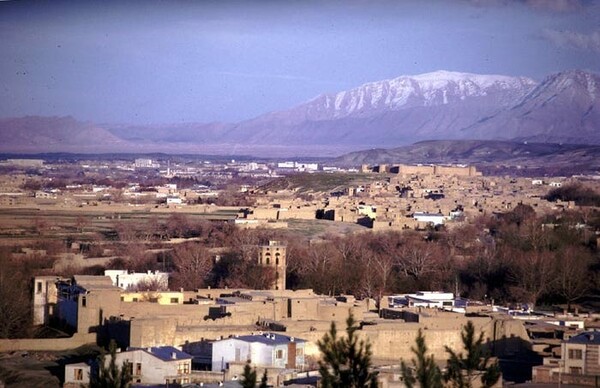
(418, 257)
(533, 272)
(192, 263)
(574, 279)
(177, 225)
(15, 300)
(149, 284)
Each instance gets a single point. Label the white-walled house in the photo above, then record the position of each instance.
(428, 299)
(77, 375)
(129, 280)
(268, 350)
(433, 218)
(174, 200)
(157, 365)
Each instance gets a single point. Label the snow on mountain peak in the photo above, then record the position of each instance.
(429, 89)
(442, 77)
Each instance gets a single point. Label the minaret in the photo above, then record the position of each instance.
(274, 256)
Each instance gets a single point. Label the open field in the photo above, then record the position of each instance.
(29, 223)
(323, 182)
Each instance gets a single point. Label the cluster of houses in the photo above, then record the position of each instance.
(208, 335)
(406, 197)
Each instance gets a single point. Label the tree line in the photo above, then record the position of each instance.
(511, 257)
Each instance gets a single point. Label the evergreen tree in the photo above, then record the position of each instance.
(263, 380)
(248, 377)
(345, 361)
(463, 370)
(111, 376)
(426, 372)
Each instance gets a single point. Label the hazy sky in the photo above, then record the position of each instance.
(201, 61)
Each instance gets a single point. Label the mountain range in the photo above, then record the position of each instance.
(562, 108)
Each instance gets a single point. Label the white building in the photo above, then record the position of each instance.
(268, 350)
(129, 280)
(157, 365)
(146, 163)
(298, 166)
(45, 297)
(428, 299)
(286, 165)
(435, 219)
(77, 375)
(174, 200)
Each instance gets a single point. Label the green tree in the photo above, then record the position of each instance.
(248, 377)
(345, 361)
(110, 375)
(263, 380)
(426, 372)
(463, 370)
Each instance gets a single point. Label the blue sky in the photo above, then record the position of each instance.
(202, 61)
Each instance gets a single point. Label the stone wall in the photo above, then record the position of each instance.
(47, 344)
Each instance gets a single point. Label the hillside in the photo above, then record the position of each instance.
(487, 155)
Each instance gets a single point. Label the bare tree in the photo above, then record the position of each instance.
(574, 279)
(15, 300)
(418, 257)
(193, 263)
(533, 273)
(324, 268)
(177, 225)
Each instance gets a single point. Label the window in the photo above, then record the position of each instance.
(135, 299)
(575, 354)
(83, 301)
(138, 369)
(299, 352)
(183, 368)
(575, 370)
(279, 354)
(175, 300)
(78, 374)
(39, 287)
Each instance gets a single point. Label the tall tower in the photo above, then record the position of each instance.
(274, 256)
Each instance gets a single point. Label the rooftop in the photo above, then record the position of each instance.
(588, 337)
(165, 353)
(270, 339)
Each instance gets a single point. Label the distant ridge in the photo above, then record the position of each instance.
(565, 158)
(563, 108)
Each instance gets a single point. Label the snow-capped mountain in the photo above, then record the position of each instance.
(431, 89)
(564, 107)
(424, 90)
(440, 105)
(400, 110)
